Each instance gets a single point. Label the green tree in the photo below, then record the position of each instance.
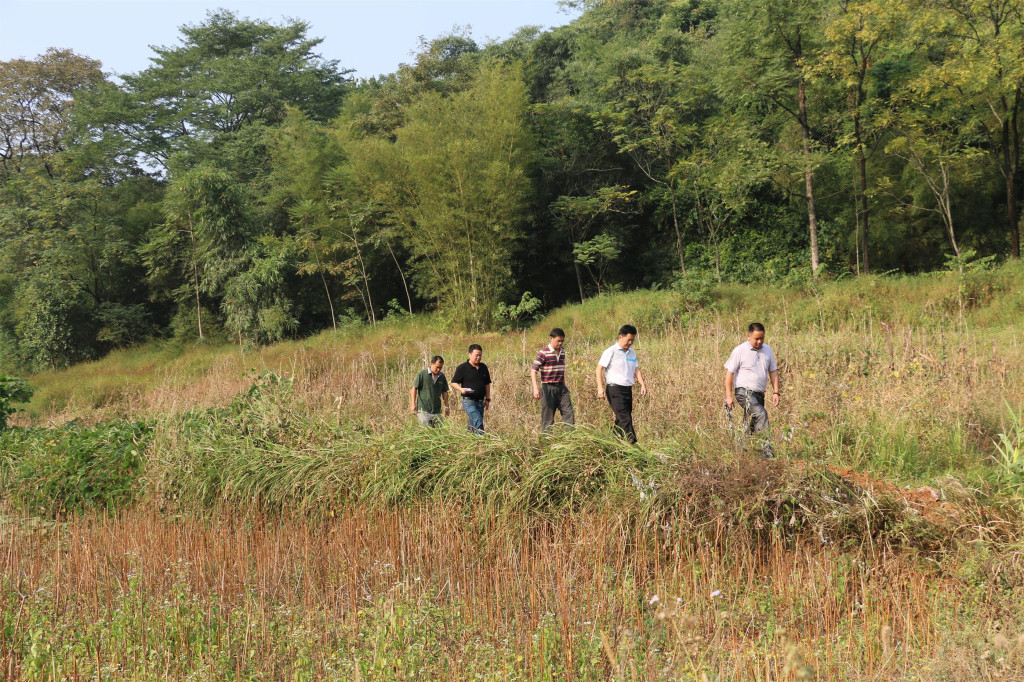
(984, 66)
(201, 245)
(856, 32)
(455, 182)
(227, 74)
(36, 102)
(578, 215)
(766, 51)
(596, 255)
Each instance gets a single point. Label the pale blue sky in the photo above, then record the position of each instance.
(370, 36)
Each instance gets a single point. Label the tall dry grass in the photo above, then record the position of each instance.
(420, 593)
(315, 533)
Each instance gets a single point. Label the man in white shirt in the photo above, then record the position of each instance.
(747, 372)
(617, 371)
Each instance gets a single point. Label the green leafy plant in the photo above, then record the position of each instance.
(12, 390)
(516, 315)
(56, 471)
(1010, 449)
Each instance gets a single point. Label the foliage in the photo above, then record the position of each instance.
(242, 185)
(36, 102)
(455, 181)
(596, 255)
(227, 73)
(519, 314)
(1010, 450)
(74, 469)
(12, 390)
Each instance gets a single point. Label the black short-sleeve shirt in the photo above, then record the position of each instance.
(474, 378)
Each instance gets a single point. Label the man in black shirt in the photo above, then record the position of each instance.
(473, 382)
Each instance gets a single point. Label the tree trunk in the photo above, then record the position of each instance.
(366, 279)
(195, 274)
(327, 290)
(579, 277)
(946, 208)
(675, 224)
(862, 198)
(1011, 210)
(401, 274)
(805, 133)
(1011, 165)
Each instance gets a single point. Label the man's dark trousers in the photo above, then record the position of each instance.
(621, 400)
(555, 397)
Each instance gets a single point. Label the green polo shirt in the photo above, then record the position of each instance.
(429, 390)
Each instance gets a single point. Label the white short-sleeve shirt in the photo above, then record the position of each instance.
(619, 365)
(751, 367)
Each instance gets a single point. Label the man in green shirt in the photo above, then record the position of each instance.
(428, 389)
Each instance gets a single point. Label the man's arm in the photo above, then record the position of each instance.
(599, 374)
(412, 400)
(643, 384)
(775, 387)
(487, 396)
(730, 378)
(536, 386)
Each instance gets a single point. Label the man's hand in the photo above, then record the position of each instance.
(728, 401)
(413, 410)
(775, 399)
(643, 390)
(536, 394)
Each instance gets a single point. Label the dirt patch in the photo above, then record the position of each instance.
(932, 504)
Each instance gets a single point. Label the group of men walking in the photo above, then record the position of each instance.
(748, 371)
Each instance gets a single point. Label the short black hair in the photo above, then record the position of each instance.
(475, 346)
(755, 327)
(436, 358)
(627, 329)
(556, 332)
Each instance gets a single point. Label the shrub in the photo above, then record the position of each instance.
(12, 390)
(51, 472)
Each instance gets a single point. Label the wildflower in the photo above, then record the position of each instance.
(717, 593)
(654, 600)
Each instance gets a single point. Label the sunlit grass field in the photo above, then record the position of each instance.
(218, 512)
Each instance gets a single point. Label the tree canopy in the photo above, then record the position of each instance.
(243, 187)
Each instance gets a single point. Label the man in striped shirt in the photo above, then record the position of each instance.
(552, 391)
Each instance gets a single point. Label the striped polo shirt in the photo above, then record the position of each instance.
(551, 365)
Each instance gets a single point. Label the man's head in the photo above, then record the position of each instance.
(475, 353)
(627, 334)
(557, 337)
(436, 363)
(755, 335)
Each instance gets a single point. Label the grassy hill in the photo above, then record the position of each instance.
(191, 509)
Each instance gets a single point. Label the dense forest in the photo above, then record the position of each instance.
(242, 187)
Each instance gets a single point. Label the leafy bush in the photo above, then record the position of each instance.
(12, 390)
(51, 472)
(517, 315)
(1010, 449)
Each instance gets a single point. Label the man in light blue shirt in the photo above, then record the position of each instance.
(747, 372)
(617, 371)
